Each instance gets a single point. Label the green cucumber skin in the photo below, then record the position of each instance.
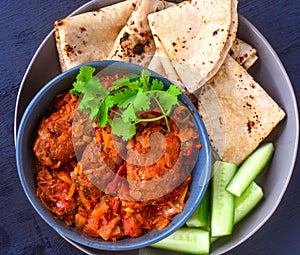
(250, 169)
(186, 240)
(200, 217)
(245, 204)
(222, 202)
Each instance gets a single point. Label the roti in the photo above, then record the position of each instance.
(161, 64)
(237, 112)
(135, 42)
(243, 53)
(90, 36)
(195, 41)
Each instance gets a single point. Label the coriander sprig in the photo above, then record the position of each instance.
(127, 98)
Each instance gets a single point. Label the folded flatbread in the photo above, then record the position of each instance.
(135, 42)
(161, 64)
(90, 36)
(196, 36)
(243, 53)
(237, 112)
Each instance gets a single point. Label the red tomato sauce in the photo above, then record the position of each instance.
(68, 187)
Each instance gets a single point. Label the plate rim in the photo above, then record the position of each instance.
(83, 8)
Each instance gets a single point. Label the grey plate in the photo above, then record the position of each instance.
(268, 71)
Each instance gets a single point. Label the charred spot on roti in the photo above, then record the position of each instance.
(220, 121)
(59, 22)
(247, 105)
(69, 49)
(124, 37)
(139, 49)
(82, 29)
(155, 35)
(216, 32)
(250, 126)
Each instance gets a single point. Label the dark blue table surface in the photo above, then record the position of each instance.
(23, 26)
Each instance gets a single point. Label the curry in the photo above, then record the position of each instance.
(84, 178)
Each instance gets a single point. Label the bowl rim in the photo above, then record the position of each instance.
(113, 246)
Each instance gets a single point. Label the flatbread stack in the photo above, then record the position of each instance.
(195, 36)
(135, 42)
(90, 36)
(243, 53)
(237, 111)
(194, 45)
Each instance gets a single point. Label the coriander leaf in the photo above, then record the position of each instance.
(95, 87)
(102, 115)
(128, 101)
(121, 97)
(110, 101)
(83, 77)
(173, 90)
(132, 95)
(157, 85)
(85, 103)
(124, 82)
(142, 102)
(166, 101)
(89, 105)
(78, 88)
(128, 115)
(85, 73)
(119, 83)
(144, 79)
(124, 129)
(134, 85)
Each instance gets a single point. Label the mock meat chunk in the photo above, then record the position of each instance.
(54, 145)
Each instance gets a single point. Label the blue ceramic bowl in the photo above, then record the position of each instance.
(25, 161)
